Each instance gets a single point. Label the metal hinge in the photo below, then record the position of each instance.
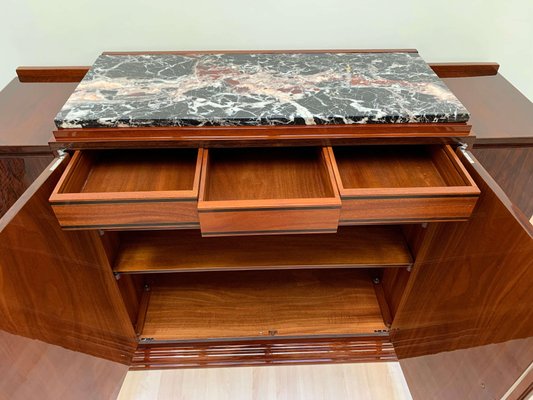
(61, 154)
(146, 340)
(463, 147)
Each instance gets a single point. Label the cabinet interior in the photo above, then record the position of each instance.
(347, 283)
(146, 170)
(395, 167)
(266, 173)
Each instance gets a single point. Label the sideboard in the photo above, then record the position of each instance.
(144, 248)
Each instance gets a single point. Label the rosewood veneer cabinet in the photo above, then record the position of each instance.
(217, 209)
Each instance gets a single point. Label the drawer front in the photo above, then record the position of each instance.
(125, 189)
(155, 214)
(264, 222)
(236, 186)
(405, 210)
(399, 184)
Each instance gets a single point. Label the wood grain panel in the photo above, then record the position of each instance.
(27, 112)
(58, 286)
(17, 173)
(129, 215)
(249, 304)
(406, 210)
(471, 281)
(477, 373)
(371, 246)
(499, 113)
(31, 369)
(512, 169)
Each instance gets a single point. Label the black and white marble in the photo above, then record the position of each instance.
(259, 89)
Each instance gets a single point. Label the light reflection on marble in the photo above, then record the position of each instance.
(259, 89)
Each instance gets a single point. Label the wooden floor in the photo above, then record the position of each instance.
(363, 381)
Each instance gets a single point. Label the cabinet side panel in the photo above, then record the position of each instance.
(512, 168)
(57, 286)
(472, 284)
(16, 174)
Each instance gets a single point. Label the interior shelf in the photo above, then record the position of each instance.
(187, 251)
(251, 304)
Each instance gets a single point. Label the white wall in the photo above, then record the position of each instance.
(70, 32)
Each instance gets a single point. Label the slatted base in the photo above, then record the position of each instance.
(266, 352)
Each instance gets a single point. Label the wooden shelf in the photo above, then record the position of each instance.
(172, 251)
(251, 304)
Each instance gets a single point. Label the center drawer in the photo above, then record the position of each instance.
(247, 191)
(129, 189)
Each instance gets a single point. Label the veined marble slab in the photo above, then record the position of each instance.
(259, 89)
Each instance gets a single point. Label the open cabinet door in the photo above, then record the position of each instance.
(471, 286)
(57, 286)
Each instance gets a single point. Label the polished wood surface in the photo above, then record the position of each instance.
(17, 173)
(268, 351)
(58, 286)
(399, 184)
(463, 70)
(499, 113)
(512, 168)
(477, 373)
(250, 304)
(27, 112)
(129, 189)
(471, 282)
(51, 74)
(258, 135)
(32, 369)
(267, 190)
(182, 251)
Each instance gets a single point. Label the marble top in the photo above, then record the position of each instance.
(259, 89)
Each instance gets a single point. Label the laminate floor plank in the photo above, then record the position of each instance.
(376, 381)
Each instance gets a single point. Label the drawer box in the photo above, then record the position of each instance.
(267, 191)
(402, 184)
(129, 189)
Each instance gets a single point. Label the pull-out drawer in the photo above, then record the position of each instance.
(402, 184)
(127, 189)
(267, 191)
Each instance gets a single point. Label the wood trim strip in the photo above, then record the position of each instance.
(383, 305)
(464, 70)
(261, 133)
(51, 74)
(143, 308)
(268, 232)
(265, 352)
(193, 52)
(76, 73)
